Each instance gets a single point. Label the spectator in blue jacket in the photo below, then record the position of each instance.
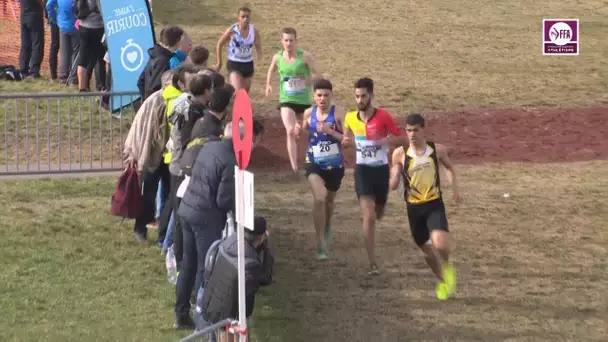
(183, 48)
(63, 13)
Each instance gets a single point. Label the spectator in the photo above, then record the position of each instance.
(32, 38)
(144, 147)
(181, 79)
(181, 54)
(219, 299)
(198, 56)
(203, 209)
(54, 53)
(90, 31)
(188, 108)
(212, 124)
(160, 54)
(61, 14)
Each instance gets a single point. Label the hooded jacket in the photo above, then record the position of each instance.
(150, 79)
(170, 94)
(220, 299)
(186, 111)
(62, 13)
(210, 193)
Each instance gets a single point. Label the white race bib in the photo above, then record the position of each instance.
(325, 152)
(370, 153)
(295, 85)
(243, 52)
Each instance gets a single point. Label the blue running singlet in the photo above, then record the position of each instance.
(324, 150)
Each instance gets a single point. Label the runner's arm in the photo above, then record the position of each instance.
(339, 128)
(444, 159)
(258, 45)
(311, 62)
(271, 69)
(347, 133)
(396, 168)
(220, 45)
(306, 119)
(397, 137)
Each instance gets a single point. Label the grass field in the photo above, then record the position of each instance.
(530, 267)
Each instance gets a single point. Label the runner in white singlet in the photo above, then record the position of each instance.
(241, 37)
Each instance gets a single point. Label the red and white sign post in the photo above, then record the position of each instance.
(244, 193)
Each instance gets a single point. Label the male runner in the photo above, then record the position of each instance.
(296, 68)
(418, 166)
(241, 38)
(324, 159)
(374, 130)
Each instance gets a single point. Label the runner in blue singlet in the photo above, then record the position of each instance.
(324, 159)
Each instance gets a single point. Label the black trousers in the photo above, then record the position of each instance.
(32, 44)
(55, 44)
(169, 206)
(149, 187)
(197, 241)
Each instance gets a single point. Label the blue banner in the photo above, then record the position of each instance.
(129, 34)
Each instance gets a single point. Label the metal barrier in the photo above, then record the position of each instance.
(49, 133)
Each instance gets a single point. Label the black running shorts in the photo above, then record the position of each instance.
(245, 69)
(372, 181)
(332, 178)
(296, 107)
(426, 217)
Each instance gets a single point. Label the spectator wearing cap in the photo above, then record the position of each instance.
(203, 212)
(219, 299)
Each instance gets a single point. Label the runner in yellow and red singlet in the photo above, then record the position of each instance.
(374, 130)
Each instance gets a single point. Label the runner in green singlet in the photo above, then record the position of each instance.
(297, 70)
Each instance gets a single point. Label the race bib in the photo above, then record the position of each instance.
(325, 152)
(295, 85)
(370, 153)
(243, 52)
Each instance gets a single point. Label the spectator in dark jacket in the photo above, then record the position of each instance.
(219, 299)
(202, 214)
(160, 54)
(32, 37)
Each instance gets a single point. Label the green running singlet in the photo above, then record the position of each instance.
(293, 76)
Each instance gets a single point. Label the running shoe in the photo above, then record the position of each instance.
(373, 270)
(321, 253)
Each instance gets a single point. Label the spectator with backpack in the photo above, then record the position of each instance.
(62, 13)
(32, 37)
(219, 299)
(160, 54)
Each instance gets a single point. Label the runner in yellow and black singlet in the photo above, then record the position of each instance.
(418, 167)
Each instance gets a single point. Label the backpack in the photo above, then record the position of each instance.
(10, 73)
(191, 152)
(127, 200)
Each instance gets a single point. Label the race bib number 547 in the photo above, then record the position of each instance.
(371, 154)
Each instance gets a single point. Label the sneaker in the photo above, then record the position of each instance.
(140, 238)
(183, 322)
(441, 291)
(373, 270)
(449, 279)
(321, 253)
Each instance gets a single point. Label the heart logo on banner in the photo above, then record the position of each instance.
(132, 56)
